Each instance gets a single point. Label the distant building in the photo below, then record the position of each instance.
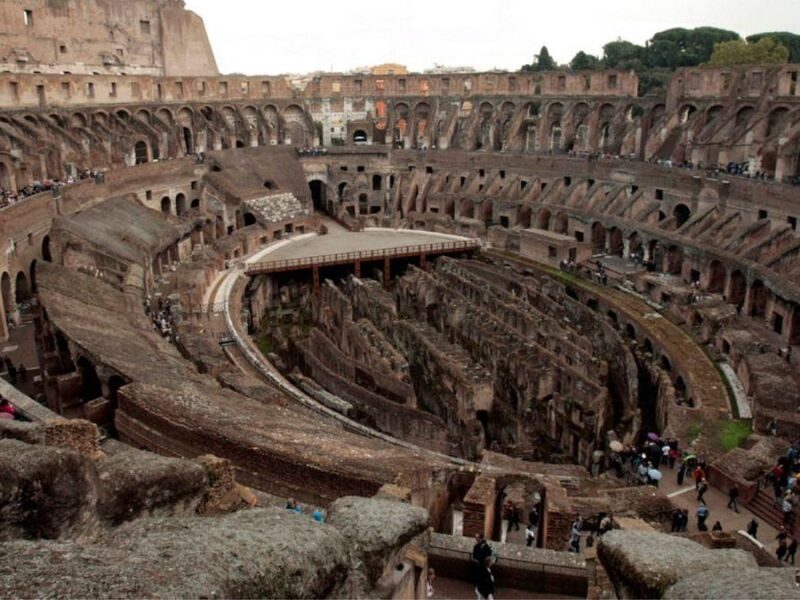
(389, 69)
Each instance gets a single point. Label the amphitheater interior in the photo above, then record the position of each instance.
(402, 301)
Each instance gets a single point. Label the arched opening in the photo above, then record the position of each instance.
(180, 204)
(195, 203)
(681, 214)
(249, 219)
(680, 388)
(270, 185)
(47, 255)
(32, 275)
(360, 137)
(140, 149)
(5, 287)
(188, 140)
(90, 382)
(758, 299)
(544, 219)
(5, 177)
(738, 289)
(166, 205)
(598, 237)
(342, 190)
(665, 363)
(562, 223)
(630, 331)
(319, 193)
(592, 303)
(22, 292)
(674, 260)
(615, 243)
(240, 144)
(716, 277)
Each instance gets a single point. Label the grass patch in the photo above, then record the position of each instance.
(732, 434)
(266, 344)
(694, 430)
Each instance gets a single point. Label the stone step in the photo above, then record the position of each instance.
(763, 506)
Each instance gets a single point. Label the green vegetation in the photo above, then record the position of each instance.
(679, 47)
(266, 343)
(732, 434)
(765, 51)
(694, 430)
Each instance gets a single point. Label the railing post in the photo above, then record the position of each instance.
(387, 272)
(358, 268)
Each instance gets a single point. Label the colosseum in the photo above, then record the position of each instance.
(281, 337)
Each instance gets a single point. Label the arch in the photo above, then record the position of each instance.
(77, 120)
(598, 237)
(743, 115)
(5, 287)
(91, 388)
(758, 299)
(180, 204)
(141, 151)
(674, 260)
(47, 254)
(342, 188)
(32, 275)
(543, 219)
(562, 223)
(776, 120)
(319, 194)
(5, 176)
(144, 116)
(615, 242)
(22, 292)
(270, 185)
(166, 205)
(195, 203)
(681, 213)
(716, 277)
(360, 136)
(523, 217)
(737, 288)
(249, 219)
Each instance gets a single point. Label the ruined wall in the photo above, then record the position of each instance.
(137, 37)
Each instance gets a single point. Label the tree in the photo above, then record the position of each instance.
(584, 62)
(765, 51)
(541, 62)
(623, 55)
(686, 47)
(790, 40)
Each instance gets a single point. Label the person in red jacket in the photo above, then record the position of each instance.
(7, 408)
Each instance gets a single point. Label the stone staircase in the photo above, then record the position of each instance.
(763, 506)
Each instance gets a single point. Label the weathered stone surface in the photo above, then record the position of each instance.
(735, 584)
(259, 553)
(644, 565)
(376, 529)
(46, 492)
(136, 483)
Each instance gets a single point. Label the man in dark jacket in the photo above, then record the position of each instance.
(484, 585)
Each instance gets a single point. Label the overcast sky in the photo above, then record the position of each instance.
(259, 37)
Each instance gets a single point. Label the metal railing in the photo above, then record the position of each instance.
(291, 264)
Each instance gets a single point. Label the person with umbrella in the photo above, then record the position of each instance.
(654, 475)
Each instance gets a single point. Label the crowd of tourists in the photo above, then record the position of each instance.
(784, 478)
(312, 151)
(160, 312)
(9, 197)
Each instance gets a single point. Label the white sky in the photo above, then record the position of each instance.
(260, 37)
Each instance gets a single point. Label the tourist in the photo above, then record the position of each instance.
(506, 521)
(484, 587)
(606, 524)
(733, 494)
(12, 375)
(530, 535)
(23, 373)
(791, 551)
(701, 491)
(590, 540)
(514, 521)
(752, 529)
(7, 408)
(717, 526)
(429, 583)
(787, 507)
(782, 549)
(681, 473)
(677, 518)
(699, 475)
(318, 516)
(533, 517)
(702, 515)
(481, 550)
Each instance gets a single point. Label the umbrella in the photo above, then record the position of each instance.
(654, 474)
(652, 436)
(616, 446)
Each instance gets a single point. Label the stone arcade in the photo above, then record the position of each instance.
(403, 299)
